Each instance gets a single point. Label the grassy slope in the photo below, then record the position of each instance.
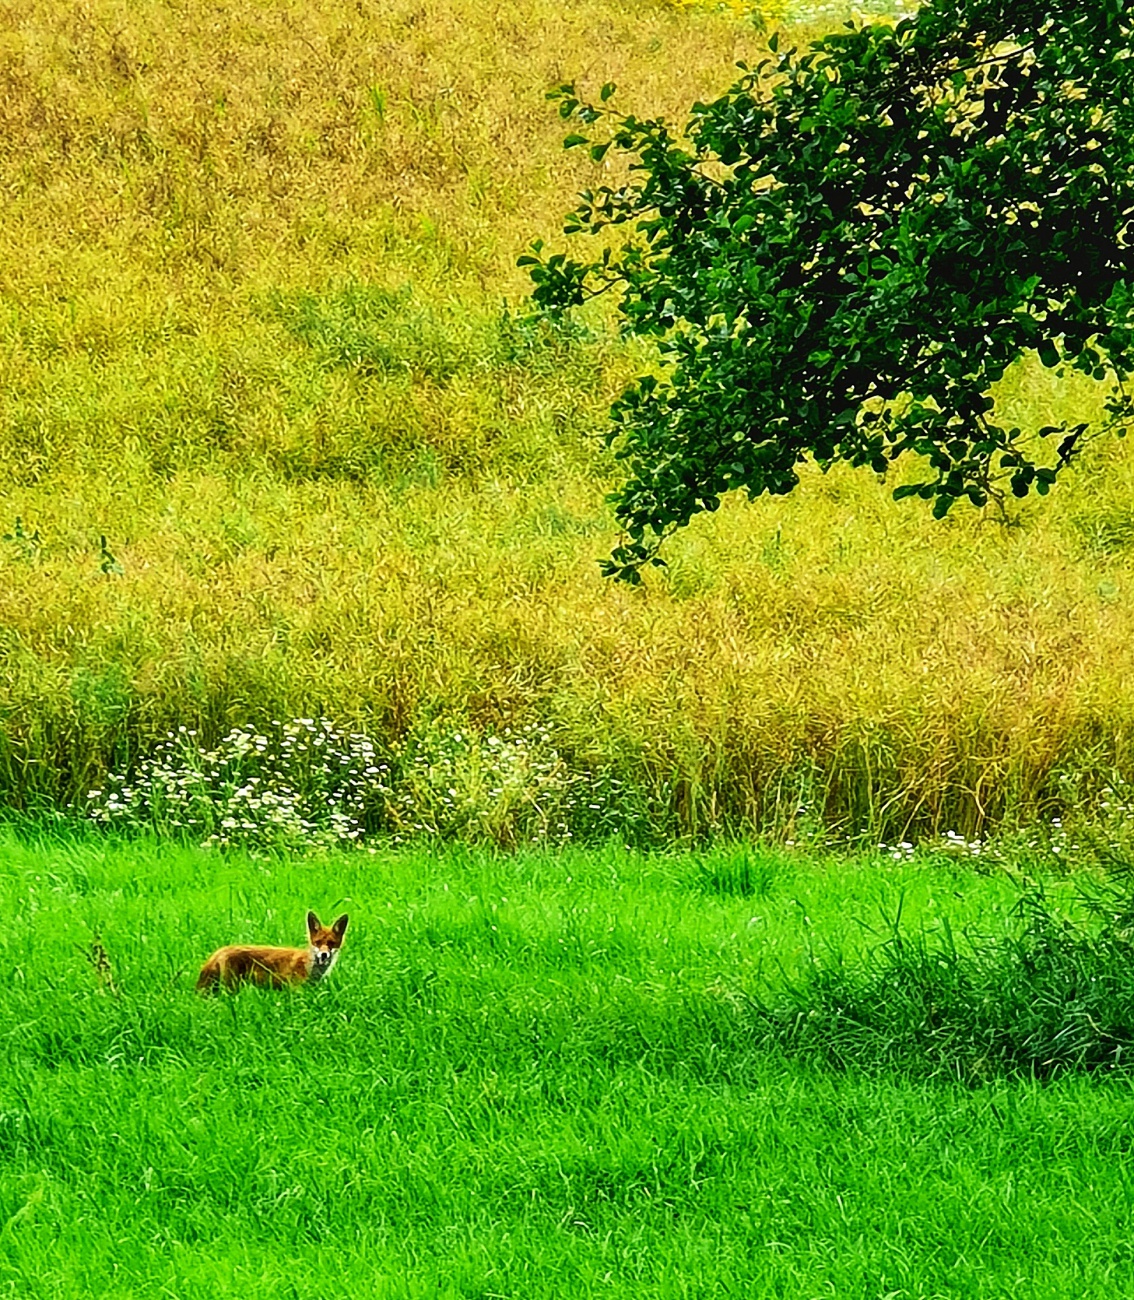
(528, 1076)
(252, 267)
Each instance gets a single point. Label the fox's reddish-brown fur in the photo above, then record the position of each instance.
(249, 964)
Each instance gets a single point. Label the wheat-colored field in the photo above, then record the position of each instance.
(277, 438)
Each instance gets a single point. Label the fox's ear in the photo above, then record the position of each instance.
(313, 923)
(340, 925)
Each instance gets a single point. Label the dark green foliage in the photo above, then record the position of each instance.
(1055, 997)
(844, 253)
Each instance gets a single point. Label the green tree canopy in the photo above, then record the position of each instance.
(840, 256)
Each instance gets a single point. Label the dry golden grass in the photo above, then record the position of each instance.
(253, 268)
(159, 154)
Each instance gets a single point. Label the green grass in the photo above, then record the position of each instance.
(528, 1076)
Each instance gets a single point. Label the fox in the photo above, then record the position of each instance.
(276, 967)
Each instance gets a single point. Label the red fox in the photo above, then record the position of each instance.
(247, 964)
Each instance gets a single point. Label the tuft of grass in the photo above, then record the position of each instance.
(742, 872)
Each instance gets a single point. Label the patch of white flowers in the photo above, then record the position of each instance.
(307, 782)
(950, 844)
(302, 781)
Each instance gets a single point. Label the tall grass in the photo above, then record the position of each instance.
(1050, 998)
(277, 440)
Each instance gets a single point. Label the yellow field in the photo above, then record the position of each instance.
(261, 329)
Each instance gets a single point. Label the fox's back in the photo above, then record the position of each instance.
(250, 964)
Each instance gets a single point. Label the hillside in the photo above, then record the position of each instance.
(278, 439)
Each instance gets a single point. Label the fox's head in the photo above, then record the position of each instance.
(325, 943)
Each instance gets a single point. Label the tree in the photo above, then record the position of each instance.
(841, 256)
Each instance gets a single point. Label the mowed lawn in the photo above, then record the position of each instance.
(528, 1076)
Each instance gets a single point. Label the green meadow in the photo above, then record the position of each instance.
(529, 1075)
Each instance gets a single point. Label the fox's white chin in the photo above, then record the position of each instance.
(321, 963)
